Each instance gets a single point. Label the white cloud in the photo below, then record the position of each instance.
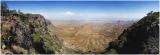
(69, 13)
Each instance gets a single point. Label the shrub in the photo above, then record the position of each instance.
(48, 48)
(36, 37)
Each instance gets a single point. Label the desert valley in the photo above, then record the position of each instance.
(87, 35)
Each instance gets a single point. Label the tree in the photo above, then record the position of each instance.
(150, 13)
(4, 9)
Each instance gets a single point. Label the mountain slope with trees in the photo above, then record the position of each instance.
(26, 33)
(141, 37)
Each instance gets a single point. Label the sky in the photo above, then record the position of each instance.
(80, 0)
(64, 10)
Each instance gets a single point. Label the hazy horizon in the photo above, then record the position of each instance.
(86, 10)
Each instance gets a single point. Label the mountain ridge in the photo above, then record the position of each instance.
(141, 37)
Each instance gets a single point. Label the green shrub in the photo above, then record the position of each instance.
(48, 48)
(36, 37)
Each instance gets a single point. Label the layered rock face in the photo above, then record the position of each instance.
(141, 37)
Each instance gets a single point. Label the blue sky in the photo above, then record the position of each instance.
(113, 10)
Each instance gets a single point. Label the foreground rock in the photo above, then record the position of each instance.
(26, 33)
(141, 37)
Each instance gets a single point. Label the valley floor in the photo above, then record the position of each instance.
(86, 36)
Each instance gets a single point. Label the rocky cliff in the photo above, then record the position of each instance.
(26, 33)
(141, 37)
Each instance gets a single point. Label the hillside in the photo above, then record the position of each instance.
(26, 33)
(141, 37)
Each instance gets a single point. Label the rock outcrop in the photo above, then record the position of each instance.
(26, 33)
(141, 37)
(30, 33)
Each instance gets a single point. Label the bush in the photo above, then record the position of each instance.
(36, 37)
(48, 48)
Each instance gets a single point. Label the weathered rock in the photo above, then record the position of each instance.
(141, 37)
(28, 32)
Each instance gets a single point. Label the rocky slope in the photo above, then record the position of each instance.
(26, 33)
(141, 37)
